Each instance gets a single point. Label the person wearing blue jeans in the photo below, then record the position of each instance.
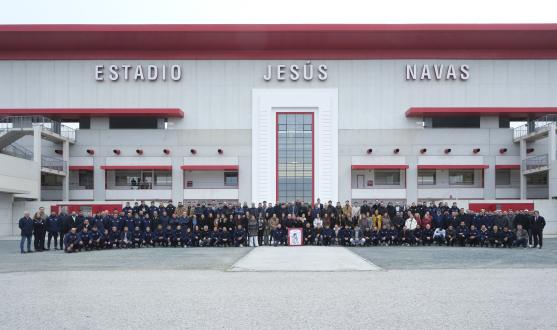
(521, 236)
(26, 226)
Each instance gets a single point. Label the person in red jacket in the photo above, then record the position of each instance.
(426, 220)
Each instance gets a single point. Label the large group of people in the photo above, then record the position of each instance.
(222, 224)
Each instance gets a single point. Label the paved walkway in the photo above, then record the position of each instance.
(302, 259)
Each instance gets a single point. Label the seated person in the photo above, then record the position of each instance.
(417, 236)
(384, 235)
(427, 235)
(96, 237)
(105, 240)
(148, 237)
(327, 236)
(126, 238)
(137, 237)
(188, 238)
(279, 236)
(178, 237)
(168, 234)
(239, 236)
(346, 235)
(439, 236)
(507, 237)
(85, 240)
(450, 236)
(405, 236)
(70, 241)
(520, 236)
(114, 238)
(392, 235)
(376, 236)
(484, 236)
(224, 238)
(462, 233)
(214, 236)
(357, 236)
(473, 236)
(368, 236)
(336, 237)
(318, 233)
(496, 237)
(159, 236)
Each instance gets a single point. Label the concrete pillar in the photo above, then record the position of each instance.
(489, 178)
(6, 204)
(552, 175)
(37, 154)
(177, 179)
(66, 181)
(552, 143)
(412, 179)
(522, 176)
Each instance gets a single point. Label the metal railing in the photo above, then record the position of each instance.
(18, 122)
(18, 151)
(140, 186)
(447, 184)
(535, 125)
(72, 186)
(53, 163)
(209, 185)
(535, 162)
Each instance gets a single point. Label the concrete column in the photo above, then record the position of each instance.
(552, 175)
(177, 179)
(522, 176)
(489, 178)
(412, 179)
(552, 143)
(6, 204)
(37, 154)
(66, 181)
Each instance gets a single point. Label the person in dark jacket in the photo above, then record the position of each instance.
(126, 238)
(507, 238)
(404, 236)
(427, 235)
(170, 209)
(52, 224)
(384, 235)
(392, 235)
(148, 238)
(451, 236)
(84, 240)
(159, 236)
(224, 237)
(96, 238)
(279, 236)
(137, 237)
(163, 219)
(308, 235)
(214, 236)
(398, 221)
(537, 224)
(462, 233)
(178, 237)
(97, 220)
(473, 236)
(64, 226)
(496, 237)
(26, 226)
(71, 240)
(39, 231)
(484, 236)
(327, 236)
(239, 236)
(346, 235)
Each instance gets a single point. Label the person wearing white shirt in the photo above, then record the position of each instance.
(317, 221)
(439, 236)
(411, 223)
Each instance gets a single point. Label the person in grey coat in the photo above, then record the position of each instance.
(357, 236)
(253, 228)
(501, 221)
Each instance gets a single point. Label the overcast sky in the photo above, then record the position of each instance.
(274, 12)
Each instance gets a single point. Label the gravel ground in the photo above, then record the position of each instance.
(398, 299)
(443, 257)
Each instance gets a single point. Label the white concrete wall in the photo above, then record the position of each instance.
(81, 195)
(210, 194)
(139, 194)
(19, 174)
(6, 201)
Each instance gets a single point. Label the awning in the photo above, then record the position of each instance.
(452, 167)
(379, 167)
(74, 113)
(517, 113)
(142, 167)
(210, 167)
(86, 168)
(507, 167)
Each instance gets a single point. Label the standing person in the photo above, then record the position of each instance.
(39, 231)
(64, 226)
(52, 224)
(376, 219)
(266, 230)
(26, 226)
(537, 225)
(253, 231)
(170, 209)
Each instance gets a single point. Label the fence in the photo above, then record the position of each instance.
(53, 164)
(535, 162)
(18, 151)
(535, 125)
(209, 185)
(17, 122)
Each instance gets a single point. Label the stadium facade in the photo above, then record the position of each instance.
(277, 112)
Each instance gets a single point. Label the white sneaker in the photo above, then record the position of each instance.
(241, 245)
(386, 244)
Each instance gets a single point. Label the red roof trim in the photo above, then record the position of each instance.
(87, 168)
(96, 112)
(303, 41)
(210, 167)
(379, 167)
(507, 167)
(452, 167)
(143, 167)
(480, 112)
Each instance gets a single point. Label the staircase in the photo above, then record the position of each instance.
(48, 164)
(13, 128)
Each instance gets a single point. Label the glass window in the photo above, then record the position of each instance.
(128, 178)
(385, 177)
(502, 177)
(163, 178)
(426, 177)
(86, 179)
(48, 180)
(461, 177)
(295, 161)
(231, 178)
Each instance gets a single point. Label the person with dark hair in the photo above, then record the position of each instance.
(537, 224)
